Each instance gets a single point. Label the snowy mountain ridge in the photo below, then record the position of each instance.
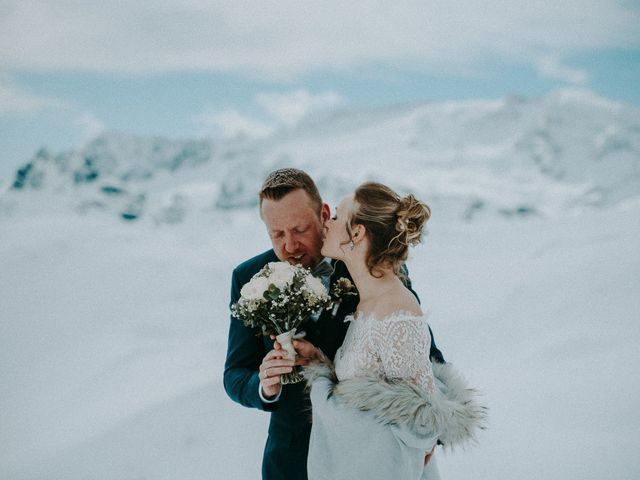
(567, 150)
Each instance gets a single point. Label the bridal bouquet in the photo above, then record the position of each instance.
(277, 300)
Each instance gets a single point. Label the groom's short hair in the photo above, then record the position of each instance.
(280, 182)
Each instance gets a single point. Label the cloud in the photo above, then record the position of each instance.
(279, 110)
(90, 126)
(15, 100)
(232, 123)
(552, 67)
(289, 108)
(289, 38)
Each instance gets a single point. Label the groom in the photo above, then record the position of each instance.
(293, 213)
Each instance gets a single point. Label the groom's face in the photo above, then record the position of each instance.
(295, 227)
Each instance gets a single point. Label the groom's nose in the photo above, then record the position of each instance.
(290, 243)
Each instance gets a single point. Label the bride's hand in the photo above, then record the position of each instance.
(307, 352)
(427, 457)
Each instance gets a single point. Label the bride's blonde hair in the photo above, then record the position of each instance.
(393, 223)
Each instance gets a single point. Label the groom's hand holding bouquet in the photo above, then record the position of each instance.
(276, 301)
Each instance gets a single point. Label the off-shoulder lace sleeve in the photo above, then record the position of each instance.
(402, 344)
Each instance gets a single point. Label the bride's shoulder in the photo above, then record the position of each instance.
(393, 306)
(397, 312)
(398, 305)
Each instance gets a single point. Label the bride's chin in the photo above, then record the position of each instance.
(326, 253)
(332, 257)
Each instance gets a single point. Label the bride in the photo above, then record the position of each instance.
(380, 410)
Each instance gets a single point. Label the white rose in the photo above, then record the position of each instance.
(316, 286)
(280, 266)
(255, 289)
(281, 274)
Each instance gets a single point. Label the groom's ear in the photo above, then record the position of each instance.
(325, 212)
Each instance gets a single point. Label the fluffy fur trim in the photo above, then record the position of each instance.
(315, 370)
(451, 412)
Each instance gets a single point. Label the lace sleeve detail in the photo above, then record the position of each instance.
(403, 345)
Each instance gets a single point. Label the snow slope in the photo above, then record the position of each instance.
(113, 342)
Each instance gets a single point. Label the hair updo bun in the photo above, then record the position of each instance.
(392, 224)
(412, 216)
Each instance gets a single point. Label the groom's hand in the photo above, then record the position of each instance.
(273, 365)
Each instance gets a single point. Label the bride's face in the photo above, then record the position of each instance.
(336, 237)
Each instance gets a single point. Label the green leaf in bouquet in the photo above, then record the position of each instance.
(271, 293)
(298, 281)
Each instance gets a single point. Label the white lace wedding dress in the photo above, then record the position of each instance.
(347, 443)
(395, 347)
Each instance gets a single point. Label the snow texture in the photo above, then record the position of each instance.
(113, 329)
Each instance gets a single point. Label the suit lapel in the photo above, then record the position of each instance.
(332, 328)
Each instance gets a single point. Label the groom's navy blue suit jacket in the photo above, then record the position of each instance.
(285, 454)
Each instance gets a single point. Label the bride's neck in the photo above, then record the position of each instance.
(370, 287)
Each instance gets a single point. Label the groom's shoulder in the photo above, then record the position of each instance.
(251, 266)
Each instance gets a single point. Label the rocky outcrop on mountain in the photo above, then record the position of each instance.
(514, 157)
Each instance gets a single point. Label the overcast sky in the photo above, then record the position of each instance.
(185, 68)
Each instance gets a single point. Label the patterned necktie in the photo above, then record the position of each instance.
(323, 269)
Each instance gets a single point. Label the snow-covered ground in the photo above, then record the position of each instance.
(115, 262)
(113, 341)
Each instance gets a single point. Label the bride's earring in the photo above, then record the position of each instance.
(352, 245)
